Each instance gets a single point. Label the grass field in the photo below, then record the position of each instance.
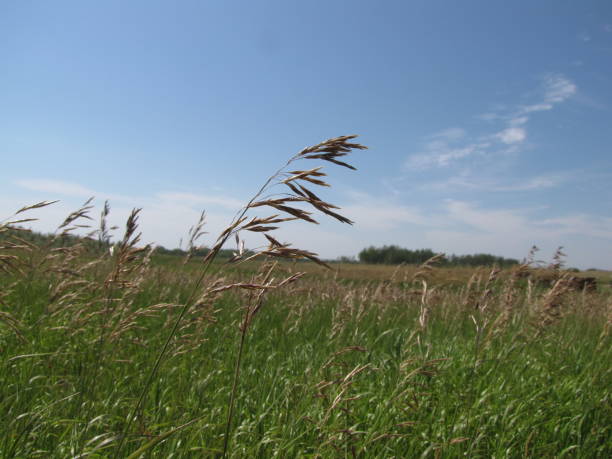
(333, 365)
(122, 353)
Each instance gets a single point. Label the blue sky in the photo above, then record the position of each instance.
(489, 123)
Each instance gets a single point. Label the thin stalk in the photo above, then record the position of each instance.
(186, 307)
(230, 411)
(215, 251)
(249, 313)
(346, 427)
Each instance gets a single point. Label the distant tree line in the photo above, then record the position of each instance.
(96, 245)
(52, 240)
(388, 254)
(395, 255)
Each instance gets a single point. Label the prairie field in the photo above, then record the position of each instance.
(111, 350)
(351, 361)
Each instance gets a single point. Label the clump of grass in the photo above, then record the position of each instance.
(286, 210)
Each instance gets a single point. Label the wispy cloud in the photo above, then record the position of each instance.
(534, 183)
(454, 145)
(526, 221)
(373, 213)
(193, 199)
(465, 226)
(512, 135)
(488, 116)
(582, 224)
(539, 182)
(557, 89)
(444, 148)
(56, 187)
(530, 222)
(165, 217)
(453, 133)
(470, 228)
(496, 220)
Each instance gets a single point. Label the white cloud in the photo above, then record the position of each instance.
(192, 199)
(558, 89)
(489, 116)
(535, 183)
(466, 227)
(56, 187)
(382, 216)
(165, 218)
(526, 221)
(512, 135)
(453, 145)
(453, 133)
(375, 213)
(518, 121)
(536, 108)
(441, 149)
(496, 184)
(496, 221)
(510, 232)
(440, 156)
(581, 224)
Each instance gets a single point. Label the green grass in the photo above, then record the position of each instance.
(441, 391)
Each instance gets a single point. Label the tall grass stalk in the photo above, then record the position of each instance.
(329, 150)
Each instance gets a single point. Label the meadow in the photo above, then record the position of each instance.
(109, 350)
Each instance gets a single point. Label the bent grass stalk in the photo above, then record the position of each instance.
(329, 150)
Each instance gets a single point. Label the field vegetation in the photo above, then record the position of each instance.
(108, 349)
